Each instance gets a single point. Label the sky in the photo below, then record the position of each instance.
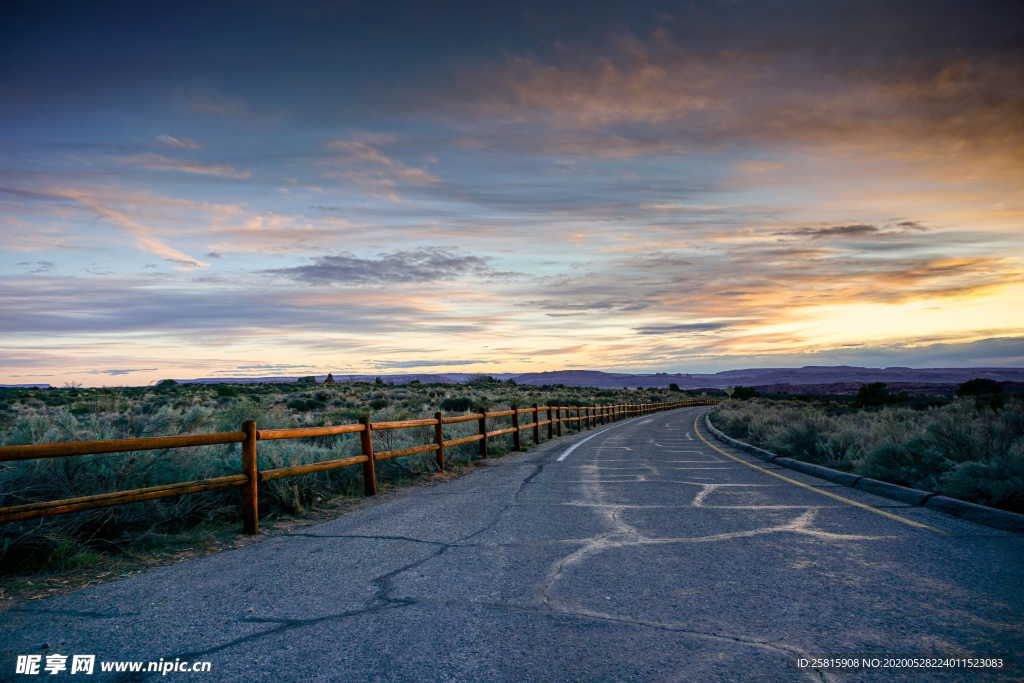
(278, 188)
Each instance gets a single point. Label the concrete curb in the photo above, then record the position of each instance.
(980, 514)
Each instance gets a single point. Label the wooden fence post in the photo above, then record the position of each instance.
(551, 422)
(369, 467)
(439, 439)
(483, 430)
(558, 415)
(536, 427)
(517, 442)
(251, 490)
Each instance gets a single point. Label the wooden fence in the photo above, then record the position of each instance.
(249, 436)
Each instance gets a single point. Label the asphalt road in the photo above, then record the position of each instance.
(645, 553)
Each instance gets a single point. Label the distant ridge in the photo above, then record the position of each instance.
(776, 377)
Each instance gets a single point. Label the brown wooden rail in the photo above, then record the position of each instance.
(585, 417)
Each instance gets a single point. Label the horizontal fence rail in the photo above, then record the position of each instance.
(250, 477)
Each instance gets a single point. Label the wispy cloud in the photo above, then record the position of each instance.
(180, 143)
(361, 162)
(116, 372)
(684, 328)
(159, 162)
(859, 230)
(37, 266)
(386, 365)
(144, 236)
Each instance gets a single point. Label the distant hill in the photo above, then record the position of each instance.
(25, 386)
(447, 378)
(829, 379)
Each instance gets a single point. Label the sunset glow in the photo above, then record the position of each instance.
(287, 189)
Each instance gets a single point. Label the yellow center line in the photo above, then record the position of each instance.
(883, 513)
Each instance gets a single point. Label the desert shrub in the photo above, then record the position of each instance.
(802, 438)
(998, 482)
(957, 449)
(915, 463)
(744, 393)
(456, 405)
(306, 404)
(978, 387)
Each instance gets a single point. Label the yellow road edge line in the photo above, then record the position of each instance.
(865, 506)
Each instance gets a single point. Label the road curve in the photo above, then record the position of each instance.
(644, 553)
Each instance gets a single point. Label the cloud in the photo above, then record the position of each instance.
(161, 308)
(121, 372)
(761, 166)
(180, 143)
(159, 162)
(37, 266)
(682, 328)
(360, 162)
(384, 365)
(858, 230)
(273, 233)
(669, 92)
(855, 230)
(426, 264)
(144, 237)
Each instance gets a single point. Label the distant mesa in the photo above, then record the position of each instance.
(808, 379)
(26, 386)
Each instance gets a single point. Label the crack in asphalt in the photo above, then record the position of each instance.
(381, 599)
(408, 539)
(284, 625)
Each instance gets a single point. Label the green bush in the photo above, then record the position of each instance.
(915, 463)
(456, 405)
(978, 387)
(958, 449)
